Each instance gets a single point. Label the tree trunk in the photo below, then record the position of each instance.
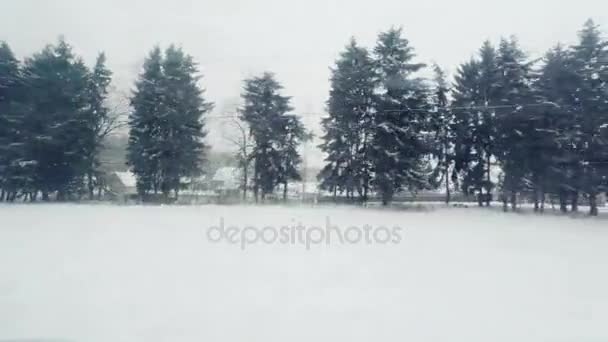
(542, 202)
(91, 186)
(45, 196)
(575, 202)
(563, 203)
(256, 183)
(245, 184)
(513, 200)
(285, 191)
(593, 211)
(2, 193)
(537, 199)
(447, 187)
(489, 179)
(366, 186)
(480, 198)
(386, 197)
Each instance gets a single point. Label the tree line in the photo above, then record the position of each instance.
(52, 121)
(543, 123)
(505, 125)
(55, 115)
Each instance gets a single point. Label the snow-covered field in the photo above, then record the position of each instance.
(109, 273)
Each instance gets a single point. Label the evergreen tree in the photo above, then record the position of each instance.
(485, 129)
(515, 124)
(589, 63)
(476, 97)
(144, 125)
(98, 120)
(11, 125)
(56, 123)
(166, 126)
(181, 123)
(349, 127)
(469, 163)
(398, 151)
(553, 170)
(265, 111)
(442, 122)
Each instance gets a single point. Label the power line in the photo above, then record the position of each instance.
(425, 109)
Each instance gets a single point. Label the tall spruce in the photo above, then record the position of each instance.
(275, 133)
(515, 125)
(144, 125)
(590, 65)
(476, 97)
(56, 122)
(11, 124)
(442, 124)
(181, 130)
(469, 164)
(553, 170)
(99, 122)
(167, 123)
(398, 150)
(350, 126)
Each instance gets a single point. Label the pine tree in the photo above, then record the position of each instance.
(144, 125)
(469, 163)
(515, 124)
(486, 134)
(11, 117)
(265, 111)
(182, 124)
(99, 122)
(546, 155)
(56, 130)
(442, 121)
(476, 97)
(167, 125)
(349, 127)
(589, 63)
(398, 149)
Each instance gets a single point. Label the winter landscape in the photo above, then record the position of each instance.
(297, 171)
(107, 273)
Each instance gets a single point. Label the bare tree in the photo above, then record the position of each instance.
(243, 143)
(115, 120)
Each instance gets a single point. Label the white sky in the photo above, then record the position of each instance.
(298, 40)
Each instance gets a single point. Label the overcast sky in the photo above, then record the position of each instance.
(298, 40)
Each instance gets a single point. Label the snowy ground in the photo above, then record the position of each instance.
(104, 273)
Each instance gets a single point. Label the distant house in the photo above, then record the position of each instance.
(121, 184)
(226, 179)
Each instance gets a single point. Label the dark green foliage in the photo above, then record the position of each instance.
(11, 124)
(276, 134)
(399, 149)
(166, 125)
(56, 127)
(442, 123)
(349, 128)
(99, 122)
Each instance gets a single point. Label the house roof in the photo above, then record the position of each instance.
(127, 179)
(229, 176)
